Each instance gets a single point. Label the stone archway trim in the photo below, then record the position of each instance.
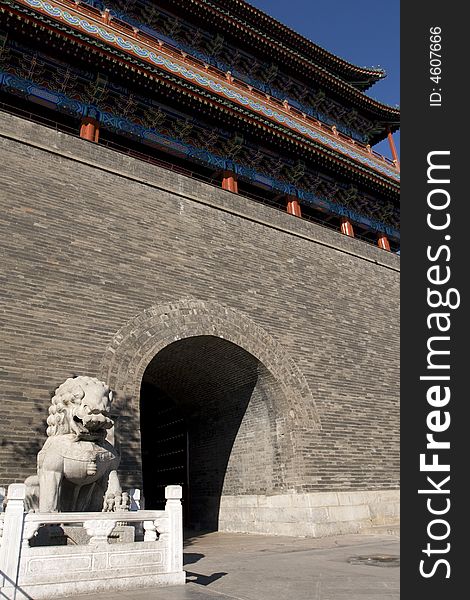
(137, 342)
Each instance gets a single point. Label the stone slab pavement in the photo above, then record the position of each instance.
(223, 566)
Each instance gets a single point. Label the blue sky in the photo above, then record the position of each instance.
(364, 32)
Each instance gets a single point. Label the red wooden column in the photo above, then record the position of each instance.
(346, 227)
(90, 129)
(229, 182)
(393, 149)
(382, 242)
(106, 16)
(293, 206)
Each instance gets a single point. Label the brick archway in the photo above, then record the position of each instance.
(161, 326)
(134, 345)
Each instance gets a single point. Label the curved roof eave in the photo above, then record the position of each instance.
(338, 65)
(381, 110)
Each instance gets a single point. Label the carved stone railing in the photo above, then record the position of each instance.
(29, 571)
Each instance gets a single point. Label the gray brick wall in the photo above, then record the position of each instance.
(91, 239)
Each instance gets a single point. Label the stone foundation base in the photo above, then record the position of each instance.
(311, 515)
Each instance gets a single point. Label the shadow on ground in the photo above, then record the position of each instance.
(203, 579)
(189, 558)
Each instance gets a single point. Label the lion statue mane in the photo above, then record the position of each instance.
(77, 466)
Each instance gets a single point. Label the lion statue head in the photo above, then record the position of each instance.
(81, 406)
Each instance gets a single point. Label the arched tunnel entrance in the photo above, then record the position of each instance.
(208, 422)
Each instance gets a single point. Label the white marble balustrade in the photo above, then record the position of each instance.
(53, 571)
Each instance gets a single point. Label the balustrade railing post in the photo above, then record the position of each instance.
(99, 530)
(173, 495)
(10, 550)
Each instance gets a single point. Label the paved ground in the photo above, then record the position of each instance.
(246, 567)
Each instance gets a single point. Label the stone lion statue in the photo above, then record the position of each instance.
(77, 466)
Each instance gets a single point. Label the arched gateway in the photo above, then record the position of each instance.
(217, 402)
(170, 190)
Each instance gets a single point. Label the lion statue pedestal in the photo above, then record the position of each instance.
(77, 466)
